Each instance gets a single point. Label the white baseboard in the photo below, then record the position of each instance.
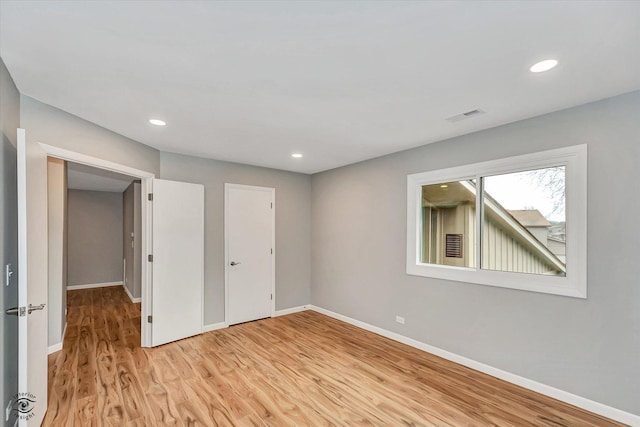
(54, 348)
(58, 346)
(214, 326)
(572, 399)
(291, 310)
(93, 285)
(133, 300)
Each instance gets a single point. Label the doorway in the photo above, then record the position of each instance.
(249, 253)
(145, 182)
(94, 231)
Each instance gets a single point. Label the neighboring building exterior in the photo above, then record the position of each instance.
(552, 235)
(515, 241)
(533, 221)
(558, 247)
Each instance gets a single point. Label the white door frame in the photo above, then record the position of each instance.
(146, 187)
(227, 187)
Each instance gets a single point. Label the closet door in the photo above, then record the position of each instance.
(249, 252)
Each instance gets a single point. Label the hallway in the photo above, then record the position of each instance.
(95, 370)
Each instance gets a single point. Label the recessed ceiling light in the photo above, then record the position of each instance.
(157, 122)
(545, 65)
(444, 186)
(296, 155)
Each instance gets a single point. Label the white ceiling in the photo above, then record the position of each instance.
(340, 82)
(81, 177)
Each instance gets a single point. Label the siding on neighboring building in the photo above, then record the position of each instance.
(503, 252)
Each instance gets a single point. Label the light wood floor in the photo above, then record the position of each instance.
(296, 370)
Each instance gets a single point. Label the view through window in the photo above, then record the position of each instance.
(516, 222)
(449, 224)
(523, 224)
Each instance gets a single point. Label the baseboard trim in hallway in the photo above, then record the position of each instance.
(57, 347)
(131, 297)
(93, 285)
(54, 348)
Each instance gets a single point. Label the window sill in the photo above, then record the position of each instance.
(526, 282)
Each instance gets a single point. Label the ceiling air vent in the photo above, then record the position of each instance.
(465, 115)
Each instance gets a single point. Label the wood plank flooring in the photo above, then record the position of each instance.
(304, 369)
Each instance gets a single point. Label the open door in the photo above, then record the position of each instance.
(178, 261)
(32, 282)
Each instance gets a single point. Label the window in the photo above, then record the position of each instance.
(518, 222)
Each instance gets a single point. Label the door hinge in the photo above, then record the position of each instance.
(271, 205)
(150, 258)
(150, 197)
(271, 297)
(271, 251)
(149, 319)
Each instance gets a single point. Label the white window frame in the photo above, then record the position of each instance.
(574, 284)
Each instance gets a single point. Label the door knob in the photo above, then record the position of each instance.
(234, 263)
(36, 307)
(17, 311)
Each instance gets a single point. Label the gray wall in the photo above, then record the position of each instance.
(57, 231)
(9, 122)
(95, 237)
(587, 347)
(53, 126)
(293, 221)
(132, 247)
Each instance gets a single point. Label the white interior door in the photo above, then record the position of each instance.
(178, 261)
(32, 282)
(249, 257)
